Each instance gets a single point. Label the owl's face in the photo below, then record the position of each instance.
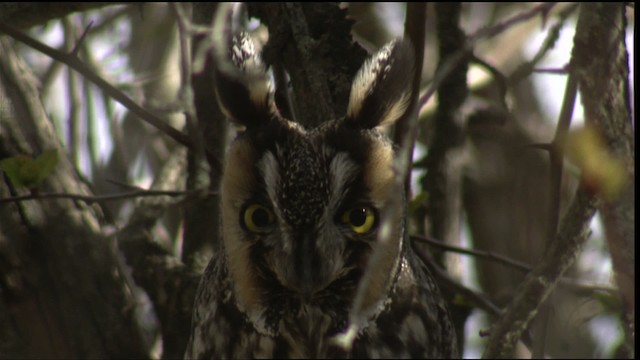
(301, 209)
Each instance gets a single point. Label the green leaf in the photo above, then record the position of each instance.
(602, 171)
(45, 164)
(24, 171)
(12, 166)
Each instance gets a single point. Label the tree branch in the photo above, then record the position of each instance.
(453, 61)
(405, 132)
(76, 64)
(478, 253)
(604, 86)
(90, 199)
(313, 43)
(571, 236)
(444, 169)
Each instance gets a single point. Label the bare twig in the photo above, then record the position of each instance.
(75, 63)
(478, 253)
(475, 299)
(445, 160)
(89, 109)
(405, 130)
(540, 146)
(485, 33)
(73, 96)
(553, 34)
(489, 32)
(588, 288)
(538, 284)
(556, 71)
(569, 282)
(556, 153)
(186, 91)
(80, 41)
(100, 198)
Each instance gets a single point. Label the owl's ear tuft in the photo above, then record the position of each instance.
(242, 86)
(382, 89)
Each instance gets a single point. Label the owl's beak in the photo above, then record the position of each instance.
(307, 276)
(308, 254)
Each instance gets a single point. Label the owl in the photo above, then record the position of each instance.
(301, 214)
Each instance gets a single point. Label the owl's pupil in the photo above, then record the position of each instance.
(260, 217)
(358, 217)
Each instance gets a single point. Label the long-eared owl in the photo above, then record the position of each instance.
(301, 213)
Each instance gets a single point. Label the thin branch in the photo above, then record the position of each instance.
(75, 63)
(80, 41)
(477, 253)
(570, 282)
(124, 185)
(556, 154)
(405, 129)
(185, 48)
(538, 284)
(540, 146)
(445, 159)
(588, 288)
(555, 71)
(107, 21)
(477, 300)
(553, 34)
(485, 33)
(489, 32)
(100, 198)
(89, 109)
(186, 90)
(73, 95)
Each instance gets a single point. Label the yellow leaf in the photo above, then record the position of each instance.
(602, 172)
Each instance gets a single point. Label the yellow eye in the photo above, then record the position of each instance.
(257, 218)
(360, 218)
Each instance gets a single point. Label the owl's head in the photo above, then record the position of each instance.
(301, 207)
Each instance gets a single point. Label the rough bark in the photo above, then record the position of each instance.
(314, 44)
